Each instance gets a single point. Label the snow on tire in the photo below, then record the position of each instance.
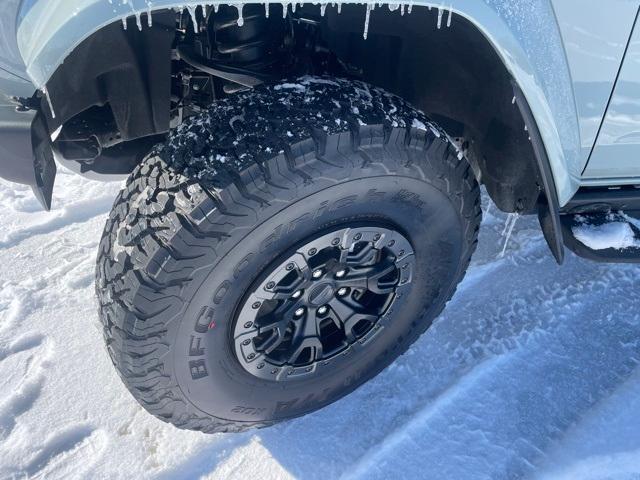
(281, 249)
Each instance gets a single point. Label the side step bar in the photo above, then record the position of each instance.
(603, 224)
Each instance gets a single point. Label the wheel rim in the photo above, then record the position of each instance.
(328, 299)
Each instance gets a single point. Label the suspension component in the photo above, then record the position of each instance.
(260, 45)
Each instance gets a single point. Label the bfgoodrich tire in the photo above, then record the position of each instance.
(280, 250)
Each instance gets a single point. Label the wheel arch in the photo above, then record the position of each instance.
(524, 41)
(49, 32)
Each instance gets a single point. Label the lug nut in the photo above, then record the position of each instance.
(299, 312)
(290, 266)
(313, 251)
(270, 285)
(335, 242)
(322, 310)
(297, 294)
(255, 305)
(342, 292)
(341, 273)
(357, 236)
(317, 273)
(246, 342)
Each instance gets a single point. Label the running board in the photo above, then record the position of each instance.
(603, 236)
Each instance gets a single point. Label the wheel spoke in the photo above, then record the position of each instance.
(365, 255)
(353, 321)
(369, 278)
(274, 341)
(344, 308)
(307, 335)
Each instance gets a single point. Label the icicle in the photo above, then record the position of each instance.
(216, 6)
(124, 23)
(139, 20)
(45, 92)
(513, 100)
(323, 8)
(285, 7)
(449, 17)
(440, 13)
(240, 21)
(149, 16)
(266, 9)
(402, 9)
(409, 7)
(194, 18)
(339, 8)
(366, 20)
(293, 7)
(509, 225)
(393, 7)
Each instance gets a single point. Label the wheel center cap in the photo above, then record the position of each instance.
(321, 294)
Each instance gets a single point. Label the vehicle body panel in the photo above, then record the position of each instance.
(525, 33)
(595, 36)
(10, 57)
(13, 77)
(617, 151)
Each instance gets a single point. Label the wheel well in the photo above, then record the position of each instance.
(119, 80)
(455, 76)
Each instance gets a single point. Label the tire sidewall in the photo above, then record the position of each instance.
(202, 356)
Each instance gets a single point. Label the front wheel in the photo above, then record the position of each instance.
(280, 250)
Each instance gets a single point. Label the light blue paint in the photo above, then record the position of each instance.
(595, 35)
(617, 153)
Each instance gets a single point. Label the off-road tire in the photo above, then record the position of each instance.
(229, 192)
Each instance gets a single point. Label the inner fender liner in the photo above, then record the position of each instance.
(129, 70)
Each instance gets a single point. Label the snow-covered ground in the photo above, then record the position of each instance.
(532, 371)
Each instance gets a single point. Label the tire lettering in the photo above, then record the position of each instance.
(242, 265)
(195, 350)
(205, 317)
(248, 410)
(343, 202)
(271, 239)
(221, 292)
(198, 369)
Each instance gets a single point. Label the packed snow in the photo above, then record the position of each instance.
(531, 371)
(616, 233)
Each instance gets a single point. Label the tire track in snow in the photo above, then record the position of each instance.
(78, 212)
(523, 352)
(499, 425)
(22, 344)
(75, 450)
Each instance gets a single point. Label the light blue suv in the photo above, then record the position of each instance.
(303, 190)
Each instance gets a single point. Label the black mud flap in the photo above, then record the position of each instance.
(25, 152)
(44, 165)
(548, 205)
